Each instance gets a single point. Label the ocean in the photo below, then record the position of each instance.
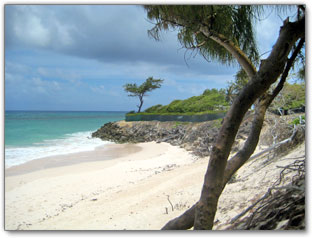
(32, 135)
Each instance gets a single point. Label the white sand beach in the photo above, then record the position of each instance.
(88, 191)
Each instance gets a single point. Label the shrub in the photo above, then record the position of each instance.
(153, 108)
(296, 121)
(210, 100)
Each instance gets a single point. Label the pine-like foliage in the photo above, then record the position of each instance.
(149, 85)
(235, 22)
(140, 91)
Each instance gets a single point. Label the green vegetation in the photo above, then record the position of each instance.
(298, 121)
(224, 33)
(140, 91)
(232, 22)
(214, 101)
(217, 123)
(174, 113)
(234, 87)
(211, 101)
(291, 96)
(154, 108)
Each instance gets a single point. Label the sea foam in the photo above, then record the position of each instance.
(71, 143)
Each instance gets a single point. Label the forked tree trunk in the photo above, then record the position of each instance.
(186, 220)
(268, 73)
(219, 171)
(263, 104)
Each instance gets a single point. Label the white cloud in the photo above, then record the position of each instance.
(105, 90)
(116, 36)
(37, 81)
(56, 85)
(99, 89)
(29, 28)
(68, 74)
(13, 79)
(63, 32)
(38, 26)
(44, 86)
(42, 71)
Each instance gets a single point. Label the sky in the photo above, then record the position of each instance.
(78, 57)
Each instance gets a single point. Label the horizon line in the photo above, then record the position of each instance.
(27, 110)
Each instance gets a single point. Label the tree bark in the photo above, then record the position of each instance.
(240, 56)
(141, 103)
(268, 73)
(186, 220)
(183, 222)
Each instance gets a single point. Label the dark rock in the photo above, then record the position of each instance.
(195, 137)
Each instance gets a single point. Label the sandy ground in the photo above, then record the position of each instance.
(134, 191)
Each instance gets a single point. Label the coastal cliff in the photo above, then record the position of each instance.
(195, 137)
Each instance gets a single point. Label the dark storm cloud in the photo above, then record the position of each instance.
(108, 33)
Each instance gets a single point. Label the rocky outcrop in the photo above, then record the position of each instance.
(282, 207)
(191, 136)
(195, 137)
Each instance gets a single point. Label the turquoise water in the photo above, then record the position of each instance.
(33, 134)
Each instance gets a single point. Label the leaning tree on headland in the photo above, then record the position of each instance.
(225, 33)
(140, 91)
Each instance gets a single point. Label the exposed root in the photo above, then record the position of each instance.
(281, 208)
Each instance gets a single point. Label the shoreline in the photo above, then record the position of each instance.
(36, 199)
(130, 192)
(69, 143)
(100, 153)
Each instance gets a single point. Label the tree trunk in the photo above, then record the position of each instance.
(268, 73)
(141, 103)
(215, 177)
(240, 158)
(185, 220)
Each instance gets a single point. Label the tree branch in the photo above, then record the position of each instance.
(289, 64)
(244, 154)
(203, 212)
(183, 222)
(186, 220)
(241, 57)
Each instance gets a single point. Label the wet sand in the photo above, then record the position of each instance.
(101, 153)
(130, 192)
